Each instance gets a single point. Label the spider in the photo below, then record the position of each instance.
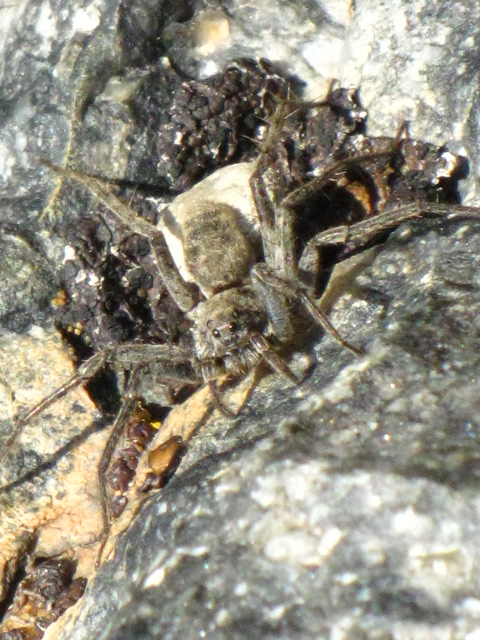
(253, 296)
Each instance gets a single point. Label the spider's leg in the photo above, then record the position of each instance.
(175, 361)
(264, 348)
(274, 289)
(218, 401)
(86, 371)
(322, 319)
(263, 202)
(171, 365)
(275, 281)
(276, 221)
(210, 379)
(362, 233)
(276, 299)
(128, 404)
(316, 184)
(176, 367)
(174, 282)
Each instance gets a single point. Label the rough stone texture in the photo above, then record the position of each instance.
(49, 487)
(344, 508)
(418, 61)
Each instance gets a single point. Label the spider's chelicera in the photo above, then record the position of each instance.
(248, 266)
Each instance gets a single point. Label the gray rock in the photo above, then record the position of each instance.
(346, 507)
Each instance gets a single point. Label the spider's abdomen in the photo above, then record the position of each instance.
(212, 230)
(216, 251)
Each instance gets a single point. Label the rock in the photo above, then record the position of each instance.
(346, 507)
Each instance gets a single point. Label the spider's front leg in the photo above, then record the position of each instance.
(276, 221)
(277, 281)
(281, 297)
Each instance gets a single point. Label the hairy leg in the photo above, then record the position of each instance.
(128, 405)
(87, 370)
(277, 292)
(171, 277)
(360, 234)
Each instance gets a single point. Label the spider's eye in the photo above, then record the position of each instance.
(232, 327)
(216, 333)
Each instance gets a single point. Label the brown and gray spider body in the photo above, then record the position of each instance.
(244, 261)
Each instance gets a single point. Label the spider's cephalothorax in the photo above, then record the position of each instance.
(226, 328)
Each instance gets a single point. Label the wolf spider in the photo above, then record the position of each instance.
(251, 313)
